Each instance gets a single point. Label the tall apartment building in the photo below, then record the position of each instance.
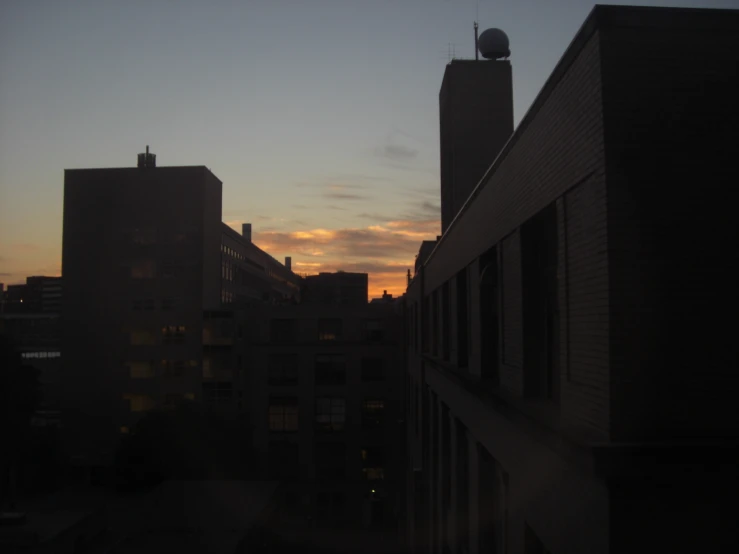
(145, 255)
(572, 383)
(326, 410)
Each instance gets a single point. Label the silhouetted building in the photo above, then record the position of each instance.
(385, 299)
(326, 401)
(572, 383)
(476, 117)
(145, 256)
(39, 294)
(342, 288)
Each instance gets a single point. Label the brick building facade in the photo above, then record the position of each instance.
(569, 371)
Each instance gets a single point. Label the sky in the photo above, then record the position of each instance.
(319, 116)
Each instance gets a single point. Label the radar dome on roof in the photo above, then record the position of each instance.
(493, 44)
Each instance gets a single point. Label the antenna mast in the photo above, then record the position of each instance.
(477, 17)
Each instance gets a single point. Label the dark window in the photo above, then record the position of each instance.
(283, 369)
(446, 309)
(217, 393)
(372, 369)
(462, 481)
(330, 369)
(373, 413)
(373, 462)
(462, 307)
(168, 304)
(329, 329)
(540, 305)
(284, 460)
(330, 414)
(373, 330)
(282, 330)
(283, 414)
(489, 315)
(330, 460)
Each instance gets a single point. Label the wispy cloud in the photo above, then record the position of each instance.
(396, 152)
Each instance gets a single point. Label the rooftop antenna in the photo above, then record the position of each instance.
(477, 17)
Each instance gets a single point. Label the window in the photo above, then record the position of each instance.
(173, 333)
(139, 402)
(142, 337)
(283, 414)
(141, 370)
(373, 462)
(282, 330)
(144, 269)
(144, 237)
(329, 329)
(330, 414)
(373, 413)
(168, 304)
(176, 368)
(42, 355)
(217, 393)
(330, 369)
(446, 308)
(373, 330)
(372, 369)
(283, 369)
(172, 400)
(330, 460)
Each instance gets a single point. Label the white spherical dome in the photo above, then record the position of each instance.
(493, 44)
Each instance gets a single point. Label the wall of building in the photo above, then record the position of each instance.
(354, 486)
(672, 223)
(135, 272)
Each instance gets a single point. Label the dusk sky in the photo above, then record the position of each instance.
(320, 117)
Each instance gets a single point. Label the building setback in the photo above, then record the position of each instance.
(569, 371)
(145, 255)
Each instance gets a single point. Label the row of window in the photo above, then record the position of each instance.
(42, 355)
(169, 334)
(147, 236)
(168, 368)
(149, 304)
(329, 329)
(145, 403)
(330, 369)
(330, 414)
(147, 269)
(330, 459)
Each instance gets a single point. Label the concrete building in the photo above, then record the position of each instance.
(327, 408)
(571, 380)
(145, 256)
(39, 294)
(340, 288)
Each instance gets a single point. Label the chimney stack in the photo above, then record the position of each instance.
(246, 231)
(289, 262)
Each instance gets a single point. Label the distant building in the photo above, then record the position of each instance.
(327, 394)
(572, 376)
(385, 299)
(340, 288)
(145, 257)
(39, 294)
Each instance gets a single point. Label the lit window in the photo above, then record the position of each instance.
(139, 402)
(141, 370)
(189, 396)
(283, 414)
(173, 333)
(373, 413)
(330, 414)
(142, 337)
(373, 461)
(125, 430)
(144, 269)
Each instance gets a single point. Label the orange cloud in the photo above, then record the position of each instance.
(385, 251)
